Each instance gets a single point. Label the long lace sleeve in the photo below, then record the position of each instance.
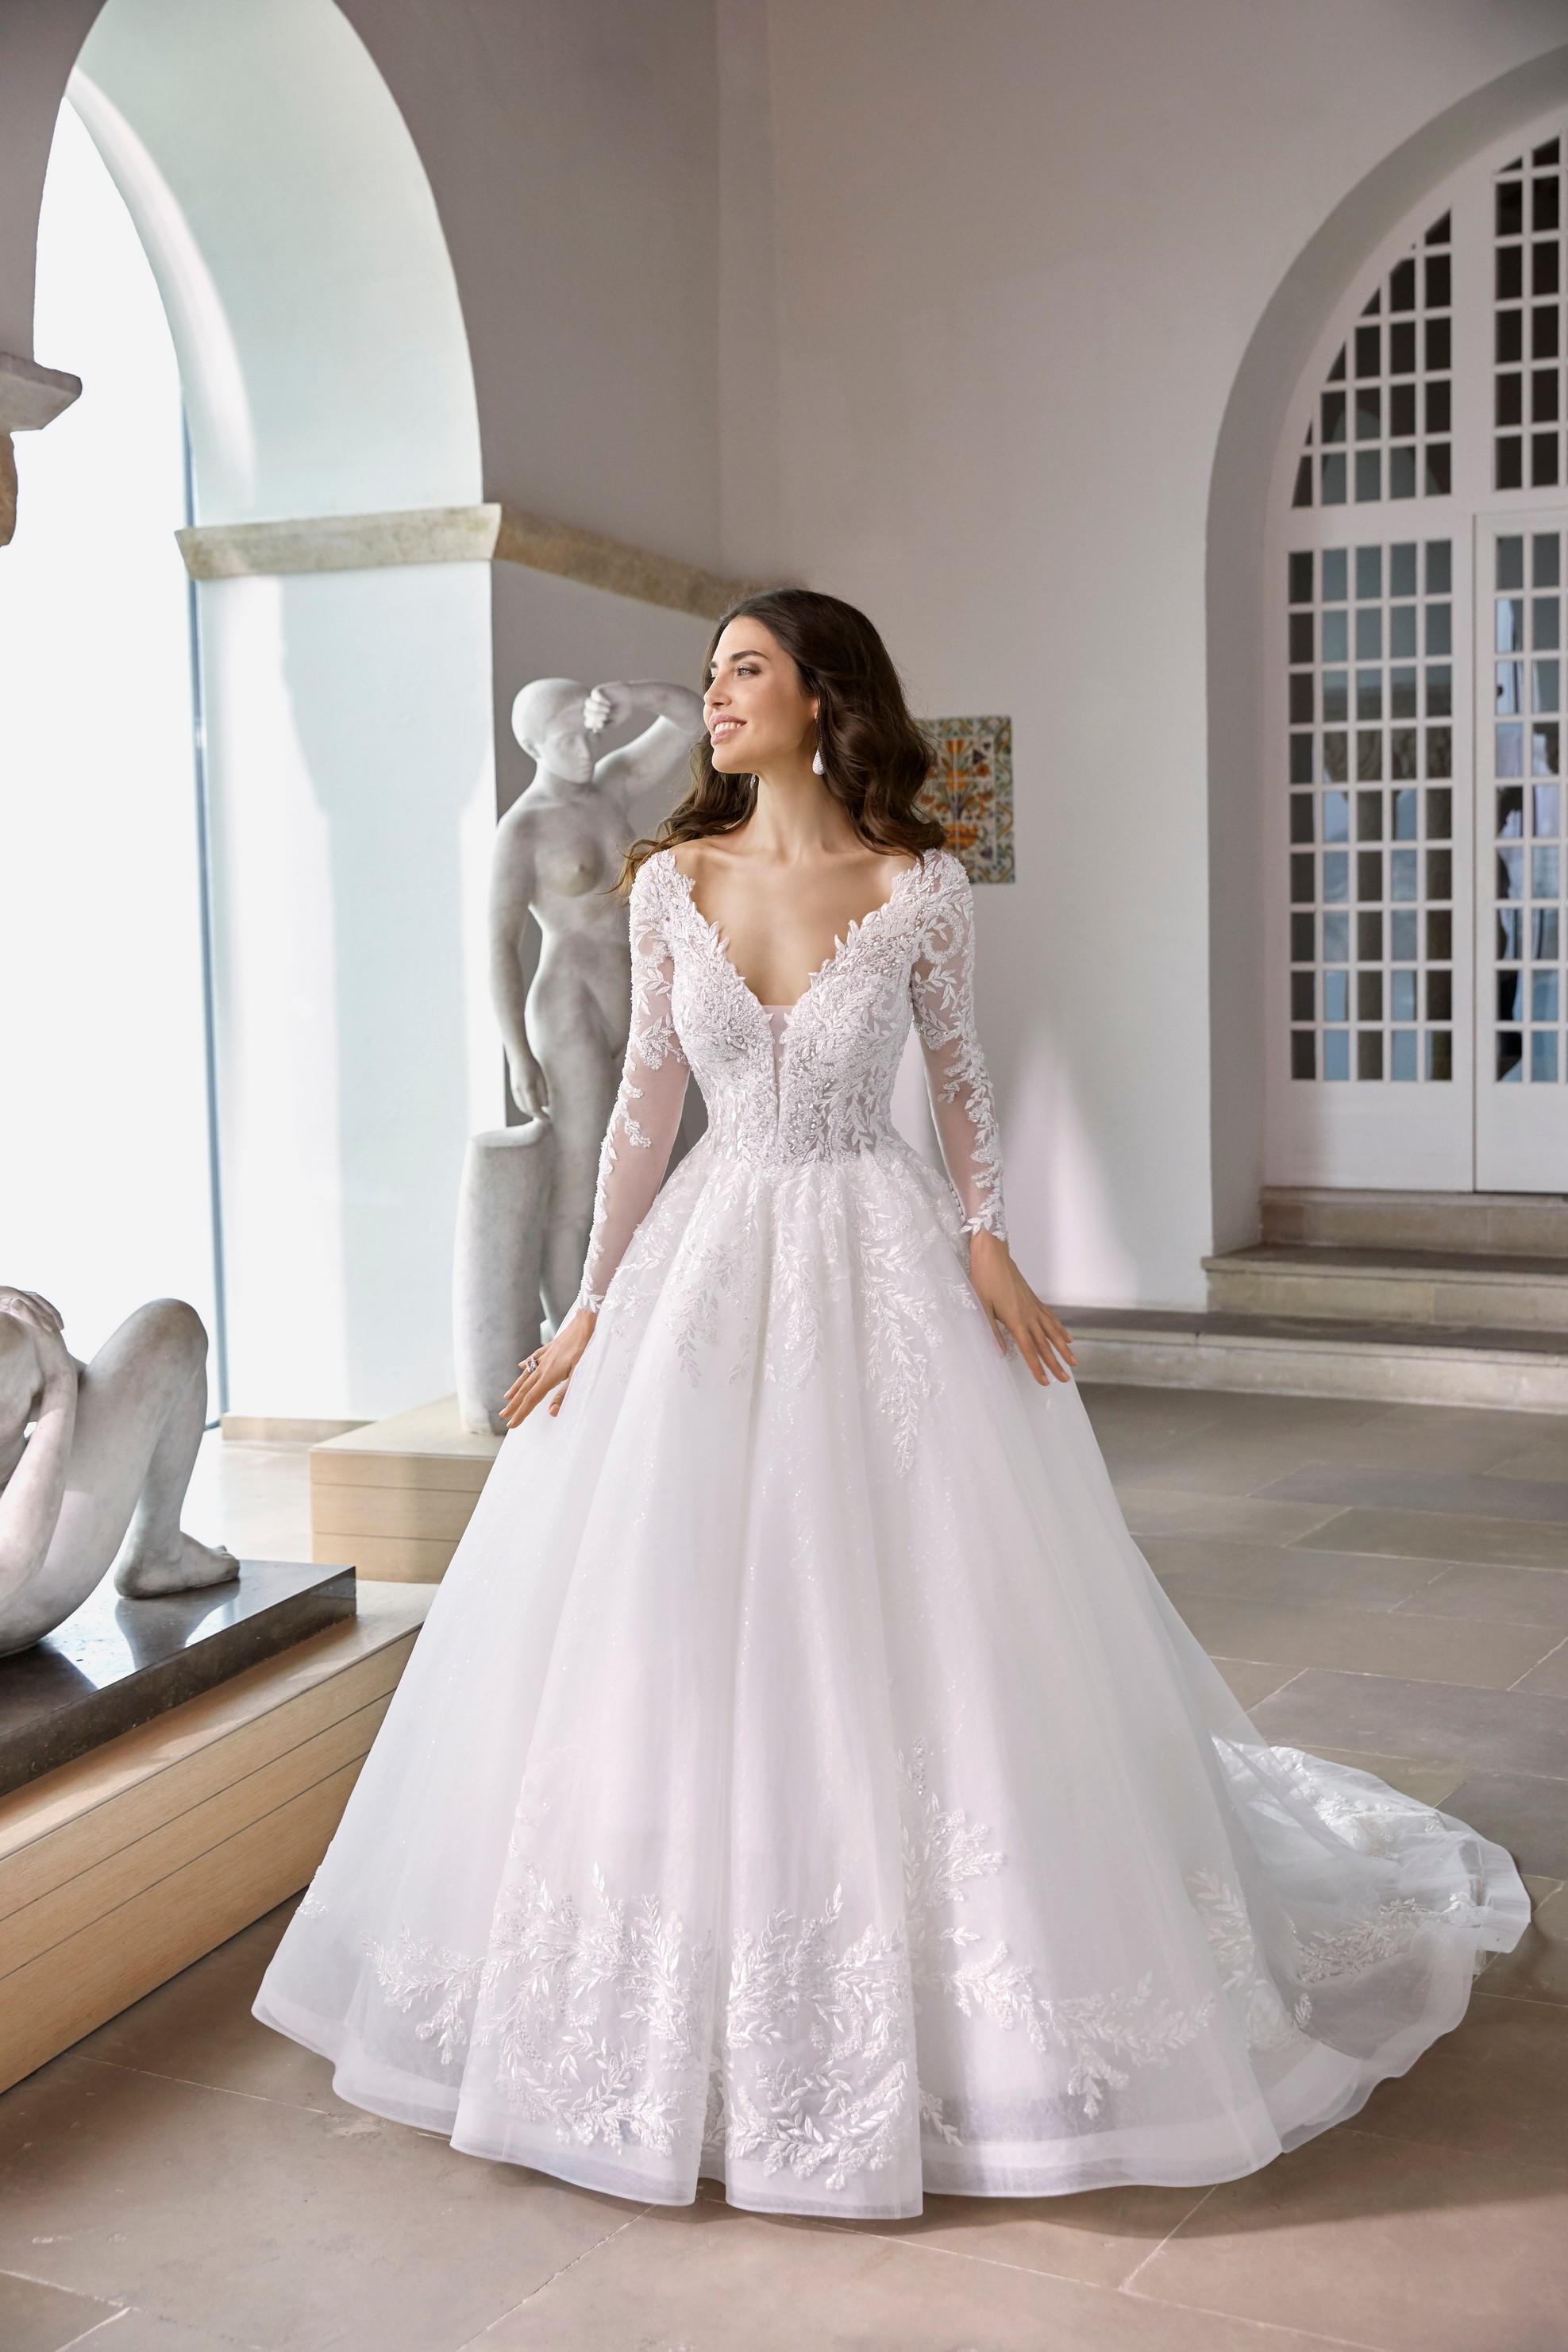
(637, 1142)
(942, 989)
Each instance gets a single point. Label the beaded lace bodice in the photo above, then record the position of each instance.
(826, 1092)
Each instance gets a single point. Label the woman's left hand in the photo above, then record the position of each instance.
(1014, 1312)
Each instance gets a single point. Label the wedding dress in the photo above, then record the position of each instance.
(801, 1777)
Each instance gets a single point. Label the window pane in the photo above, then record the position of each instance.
(1336, 1053)
(1544, 1057)
(1405, 1046)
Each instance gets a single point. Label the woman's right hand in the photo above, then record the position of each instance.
(553, 1366)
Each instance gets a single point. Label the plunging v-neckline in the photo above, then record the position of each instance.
(839, 948)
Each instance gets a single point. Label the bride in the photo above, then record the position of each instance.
(802, 1779)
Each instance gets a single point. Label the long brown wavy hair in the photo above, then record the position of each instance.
(874, 757)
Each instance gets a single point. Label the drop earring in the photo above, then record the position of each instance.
(816, 767)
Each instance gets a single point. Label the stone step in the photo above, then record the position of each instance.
(1388, 1363)
(1464, 1290)
(1493, 1225)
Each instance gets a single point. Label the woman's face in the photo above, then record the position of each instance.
(756, 712)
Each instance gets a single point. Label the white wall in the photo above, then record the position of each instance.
(104, 1190)
(322, 349)
(1020, 247)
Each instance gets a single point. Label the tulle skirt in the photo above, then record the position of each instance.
(802, 1779)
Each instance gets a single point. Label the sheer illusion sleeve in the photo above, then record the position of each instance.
(637, 1147)
(941, 988)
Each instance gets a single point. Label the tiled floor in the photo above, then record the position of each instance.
(1385, 1584)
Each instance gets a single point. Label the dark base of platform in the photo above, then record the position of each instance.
(118, 1663)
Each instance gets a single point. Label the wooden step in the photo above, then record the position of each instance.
(1389, 1364)
(1493, 1225)
(1463, 1290)
(119, 1869)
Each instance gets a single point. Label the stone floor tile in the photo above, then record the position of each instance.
(707, 2279)
(1099, 2238)
(198, 2028)
(1374, 2241)
(1518, 1596)
(1213, 1463)
(1537, 1968)
(1525, 1813)
(1497, 1731)
(1496, 2086)
(1450, 1493)
(1551, 1673)
(1433, 1534)
(282, 2230)
(1155, 1510)
(1276, 1572)
(1443, 1439)
(1449, 1650)
(1252, 1679)
(35, 2317)
(144, 2331)
(1543, 1455)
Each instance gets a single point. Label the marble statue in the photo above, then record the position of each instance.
(94, 1463)
(561, 982)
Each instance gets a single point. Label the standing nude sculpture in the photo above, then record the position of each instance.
(99, 1480)
(561, 980)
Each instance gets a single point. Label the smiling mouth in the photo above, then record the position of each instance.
(723, 728)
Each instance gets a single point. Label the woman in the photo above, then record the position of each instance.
(802, 1779)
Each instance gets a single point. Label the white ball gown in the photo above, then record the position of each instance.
(802, 1779)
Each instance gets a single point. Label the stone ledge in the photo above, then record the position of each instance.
(487, 534)
(33, 396)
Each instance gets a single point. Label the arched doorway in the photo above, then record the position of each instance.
(1414, 908)
(322, 352)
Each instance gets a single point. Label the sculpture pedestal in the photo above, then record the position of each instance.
(497, 1311)
(394, 1497)
(116, 1662)
(120, 1869)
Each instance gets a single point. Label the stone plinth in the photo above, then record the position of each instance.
(394, 1497)
(116, 1663)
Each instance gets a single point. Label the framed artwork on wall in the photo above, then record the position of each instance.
(969, 790)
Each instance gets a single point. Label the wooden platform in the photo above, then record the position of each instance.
(392, 1497)
(120, 1869)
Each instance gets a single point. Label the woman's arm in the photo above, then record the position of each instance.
(942, 987)
(632, 1158)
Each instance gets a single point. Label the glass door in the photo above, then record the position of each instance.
(1521, 1067)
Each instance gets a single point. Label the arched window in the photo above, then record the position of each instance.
(1417, 824)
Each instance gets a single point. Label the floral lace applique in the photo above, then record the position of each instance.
(838, 2110)
(549, 1978)
(1372, 1822)
(1260, 2007)
(409, 1973)
(1101, 2034)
